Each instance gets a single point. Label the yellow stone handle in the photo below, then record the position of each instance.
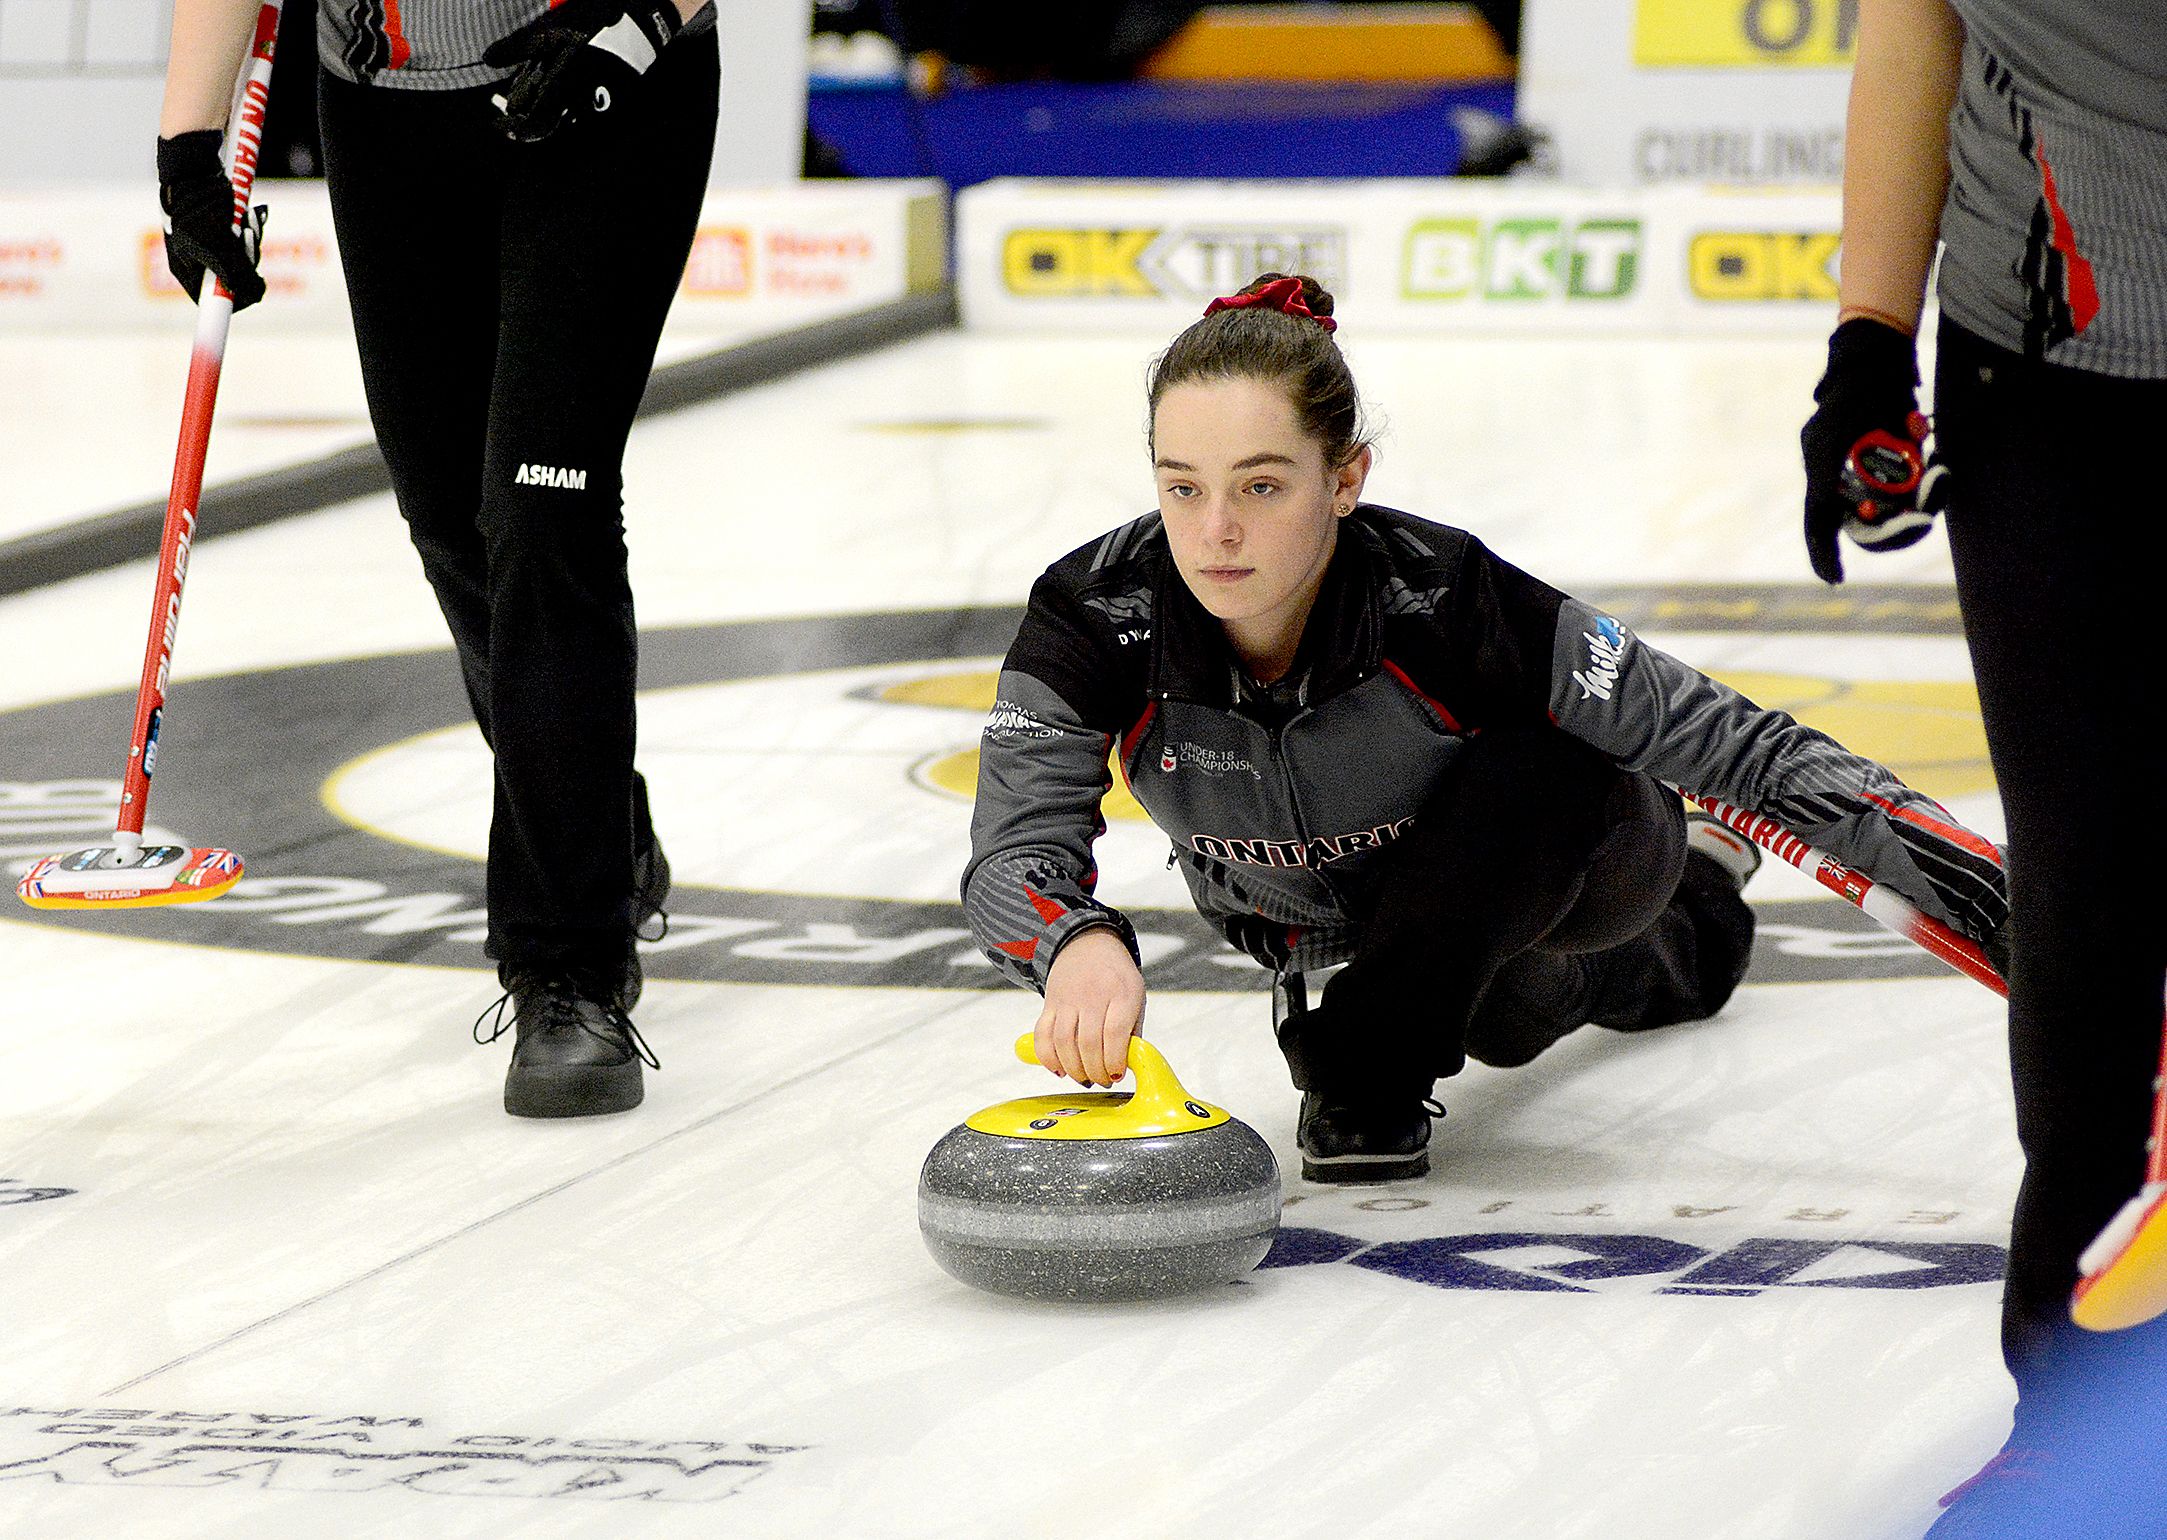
(1157, 1087)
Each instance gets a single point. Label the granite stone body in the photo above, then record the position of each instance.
(1099, 1219)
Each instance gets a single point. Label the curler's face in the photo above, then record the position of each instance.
(1251, 508)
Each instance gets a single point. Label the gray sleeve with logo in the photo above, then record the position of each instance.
(1652, 713)
(1041, 774)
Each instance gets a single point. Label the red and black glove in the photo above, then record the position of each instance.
(576, 60)
(197, 196)
(1871, 468)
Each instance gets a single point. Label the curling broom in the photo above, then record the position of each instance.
(128, 874)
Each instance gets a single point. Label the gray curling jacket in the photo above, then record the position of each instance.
(1280, 804)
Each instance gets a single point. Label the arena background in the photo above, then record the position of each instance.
(273, 1258)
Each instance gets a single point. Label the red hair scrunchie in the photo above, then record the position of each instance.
(1281, 294)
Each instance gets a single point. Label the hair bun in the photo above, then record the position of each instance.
(1314, 294)
(1278, 329)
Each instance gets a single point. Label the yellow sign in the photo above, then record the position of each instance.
(1745, 34)
(1759, 265)
(1044, 264)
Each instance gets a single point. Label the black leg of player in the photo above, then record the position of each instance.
(1540, 889)
(2057, 570)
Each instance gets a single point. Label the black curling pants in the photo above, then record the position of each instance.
(1539, 889)
(2059, 537)
(507, 300)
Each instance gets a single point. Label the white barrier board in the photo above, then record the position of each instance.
(1442, 255)
(93, 257)
(1635, 92)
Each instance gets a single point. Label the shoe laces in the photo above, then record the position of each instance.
(639, 1043)
(499, 1019)
(494, 1015)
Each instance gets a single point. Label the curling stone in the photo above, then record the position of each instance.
(1101, 1195)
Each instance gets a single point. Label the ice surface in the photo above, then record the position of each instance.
(1705, 1282)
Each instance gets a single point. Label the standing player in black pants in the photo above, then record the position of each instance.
(2032, 139)
(515, 188)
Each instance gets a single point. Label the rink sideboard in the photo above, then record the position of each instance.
(1419, 256)
(93, 257)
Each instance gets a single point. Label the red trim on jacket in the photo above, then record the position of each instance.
(2083, 288)
(1955, 833)
(1438, 706)
(395, 34)
(1133, 736)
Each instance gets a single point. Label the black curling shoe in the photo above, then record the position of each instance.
(1364, 1140)
(577, 1052)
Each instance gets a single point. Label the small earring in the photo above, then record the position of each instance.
(1341, 510)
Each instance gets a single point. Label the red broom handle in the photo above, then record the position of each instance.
(1900, 915)
(1884, 904)
(213, 312)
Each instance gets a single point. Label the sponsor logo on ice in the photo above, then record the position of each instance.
(13, 1192)
(1546, 1262)
(299, 1452)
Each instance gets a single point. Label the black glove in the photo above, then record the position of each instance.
(1871, 468)
(197, 196)
(576, 60)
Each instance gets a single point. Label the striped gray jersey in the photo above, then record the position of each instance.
(429, 45)
(421, 45)
(2055, 224)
